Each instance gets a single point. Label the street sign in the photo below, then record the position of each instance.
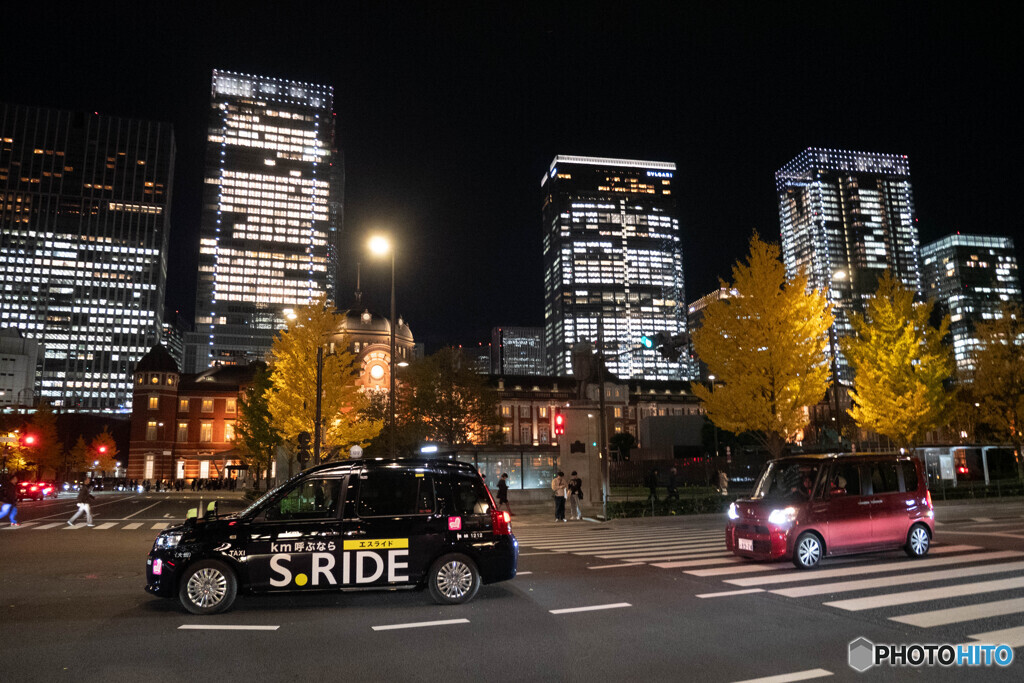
(9, 439)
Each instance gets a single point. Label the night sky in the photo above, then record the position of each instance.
(449, 113)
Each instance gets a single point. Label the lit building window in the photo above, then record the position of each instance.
(151, 430)
(206, 432)
(207, 405)
(230, 406)
(229, 431)
(182, 434)
(182, 405)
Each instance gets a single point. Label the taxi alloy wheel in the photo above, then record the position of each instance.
(208, 587)
(808, 550)
(918, 541)
(453, 579)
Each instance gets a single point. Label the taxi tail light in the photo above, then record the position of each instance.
(501, 522)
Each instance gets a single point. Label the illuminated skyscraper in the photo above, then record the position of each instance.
(271, 211)
(517, 351)
(84, 224)
(846, 217)
(971, 277)
(612, 263)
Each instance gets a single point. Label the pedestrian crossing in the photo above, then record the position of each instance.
(915, 592)
(62, 525)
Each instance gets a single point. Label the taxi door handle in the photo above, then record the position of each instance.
(876, 502)
(864, 502)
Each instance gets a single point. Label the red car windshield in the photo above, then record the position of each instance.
(790, 481)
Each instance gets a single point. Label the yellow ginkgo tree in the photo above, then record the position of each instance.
(766, 347)
(900, 365)
(293, 363)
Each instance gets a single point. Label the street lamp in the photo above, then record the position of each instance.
(837, 275)
(382, 246)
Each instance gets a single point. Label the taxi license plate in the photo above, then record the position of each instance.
(745, 544)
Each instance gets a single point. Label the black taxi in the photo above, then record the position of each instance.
(352, 525)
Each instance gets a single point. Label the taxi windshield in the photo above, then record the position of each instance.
(251, 510)
(789, 481)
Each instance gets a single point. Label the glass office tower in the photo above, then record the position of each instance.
(971, 277)
(84, 224)
(846, 217)
(271, 211)
(517, 351)
(612, 263)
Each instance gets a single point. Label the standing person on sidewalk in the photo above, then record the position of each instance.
(503, 493)
(670, 486)
(575, 495)
(9, 499)
(84, 501)
(652, 485)
(561, 489)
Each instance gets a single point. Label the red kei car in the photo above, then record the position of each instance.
(806, 507)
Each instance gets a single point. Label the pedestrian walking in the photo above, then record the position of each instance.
(84, 501)
(670, 486)
(652, 484)
(561, 488)
(503, 493)
(723, 483)
(575, 496)
(9, 499)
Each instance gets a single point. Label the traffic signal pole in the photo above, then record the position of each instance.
(603, 435)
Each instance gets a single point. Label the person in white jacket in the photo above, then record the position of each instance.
(561, 488)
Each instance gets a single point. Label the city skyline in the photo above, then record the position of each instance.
(447, 117)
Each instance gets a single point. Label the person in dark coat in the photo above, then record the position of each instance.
(503, 493)
(84, 500)
(652, 484)
(670, 486)
(9, 499)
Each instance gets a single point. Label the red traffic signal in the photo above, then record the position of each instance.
(101, 449)
(559, 424)
(28, 439)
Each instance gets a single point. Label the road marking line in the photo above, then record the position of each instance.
(106, 525)
(719, 571)
(697, 563)
(892, 581)
(141, 511)
(421, 624)
(673, 557)
(954, 615)
(925, 594)
(159, 526)
(133, 525)
(796, 676)
(51, 525)
(952, 549)
(591, 608)
(704, 547)
(523, 573)
(724, 594)
(225, 627)
(21, 525)
(1014, 637)
(905, 565)
(613, 566)
(982, 533)
(981, 519)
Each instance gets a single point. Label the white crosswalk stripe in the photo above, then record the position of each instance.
(959, 571)
(118, 525)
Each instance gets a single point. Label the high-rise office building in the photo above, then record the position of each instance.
(847, 217)
(694, 320)
(612, 263)
(271, 212)
(517, 350)
(971, 277)
(84, 224)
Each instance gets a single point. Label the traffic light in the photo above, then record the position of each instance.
(302, 454)
(559, 424)
(29, 440)
(646, 342)
(101, 449)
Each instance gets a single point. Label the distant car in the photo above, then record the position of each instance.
(804, 508)
(36, 490)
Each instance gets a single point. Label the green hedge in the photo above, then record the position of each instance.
(662, 508)
(968, 491)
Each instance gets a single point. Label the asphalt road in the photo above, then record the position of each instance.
(629, 600)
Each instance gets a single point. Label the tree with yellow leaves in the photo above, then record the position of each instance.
(104, 450)
(766, 347)
(344, 420)
(900, 365)
(998, 378)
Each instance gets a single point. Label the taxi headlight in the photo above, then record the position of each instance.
(783, 516)
(733, 512)
(168, 540)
